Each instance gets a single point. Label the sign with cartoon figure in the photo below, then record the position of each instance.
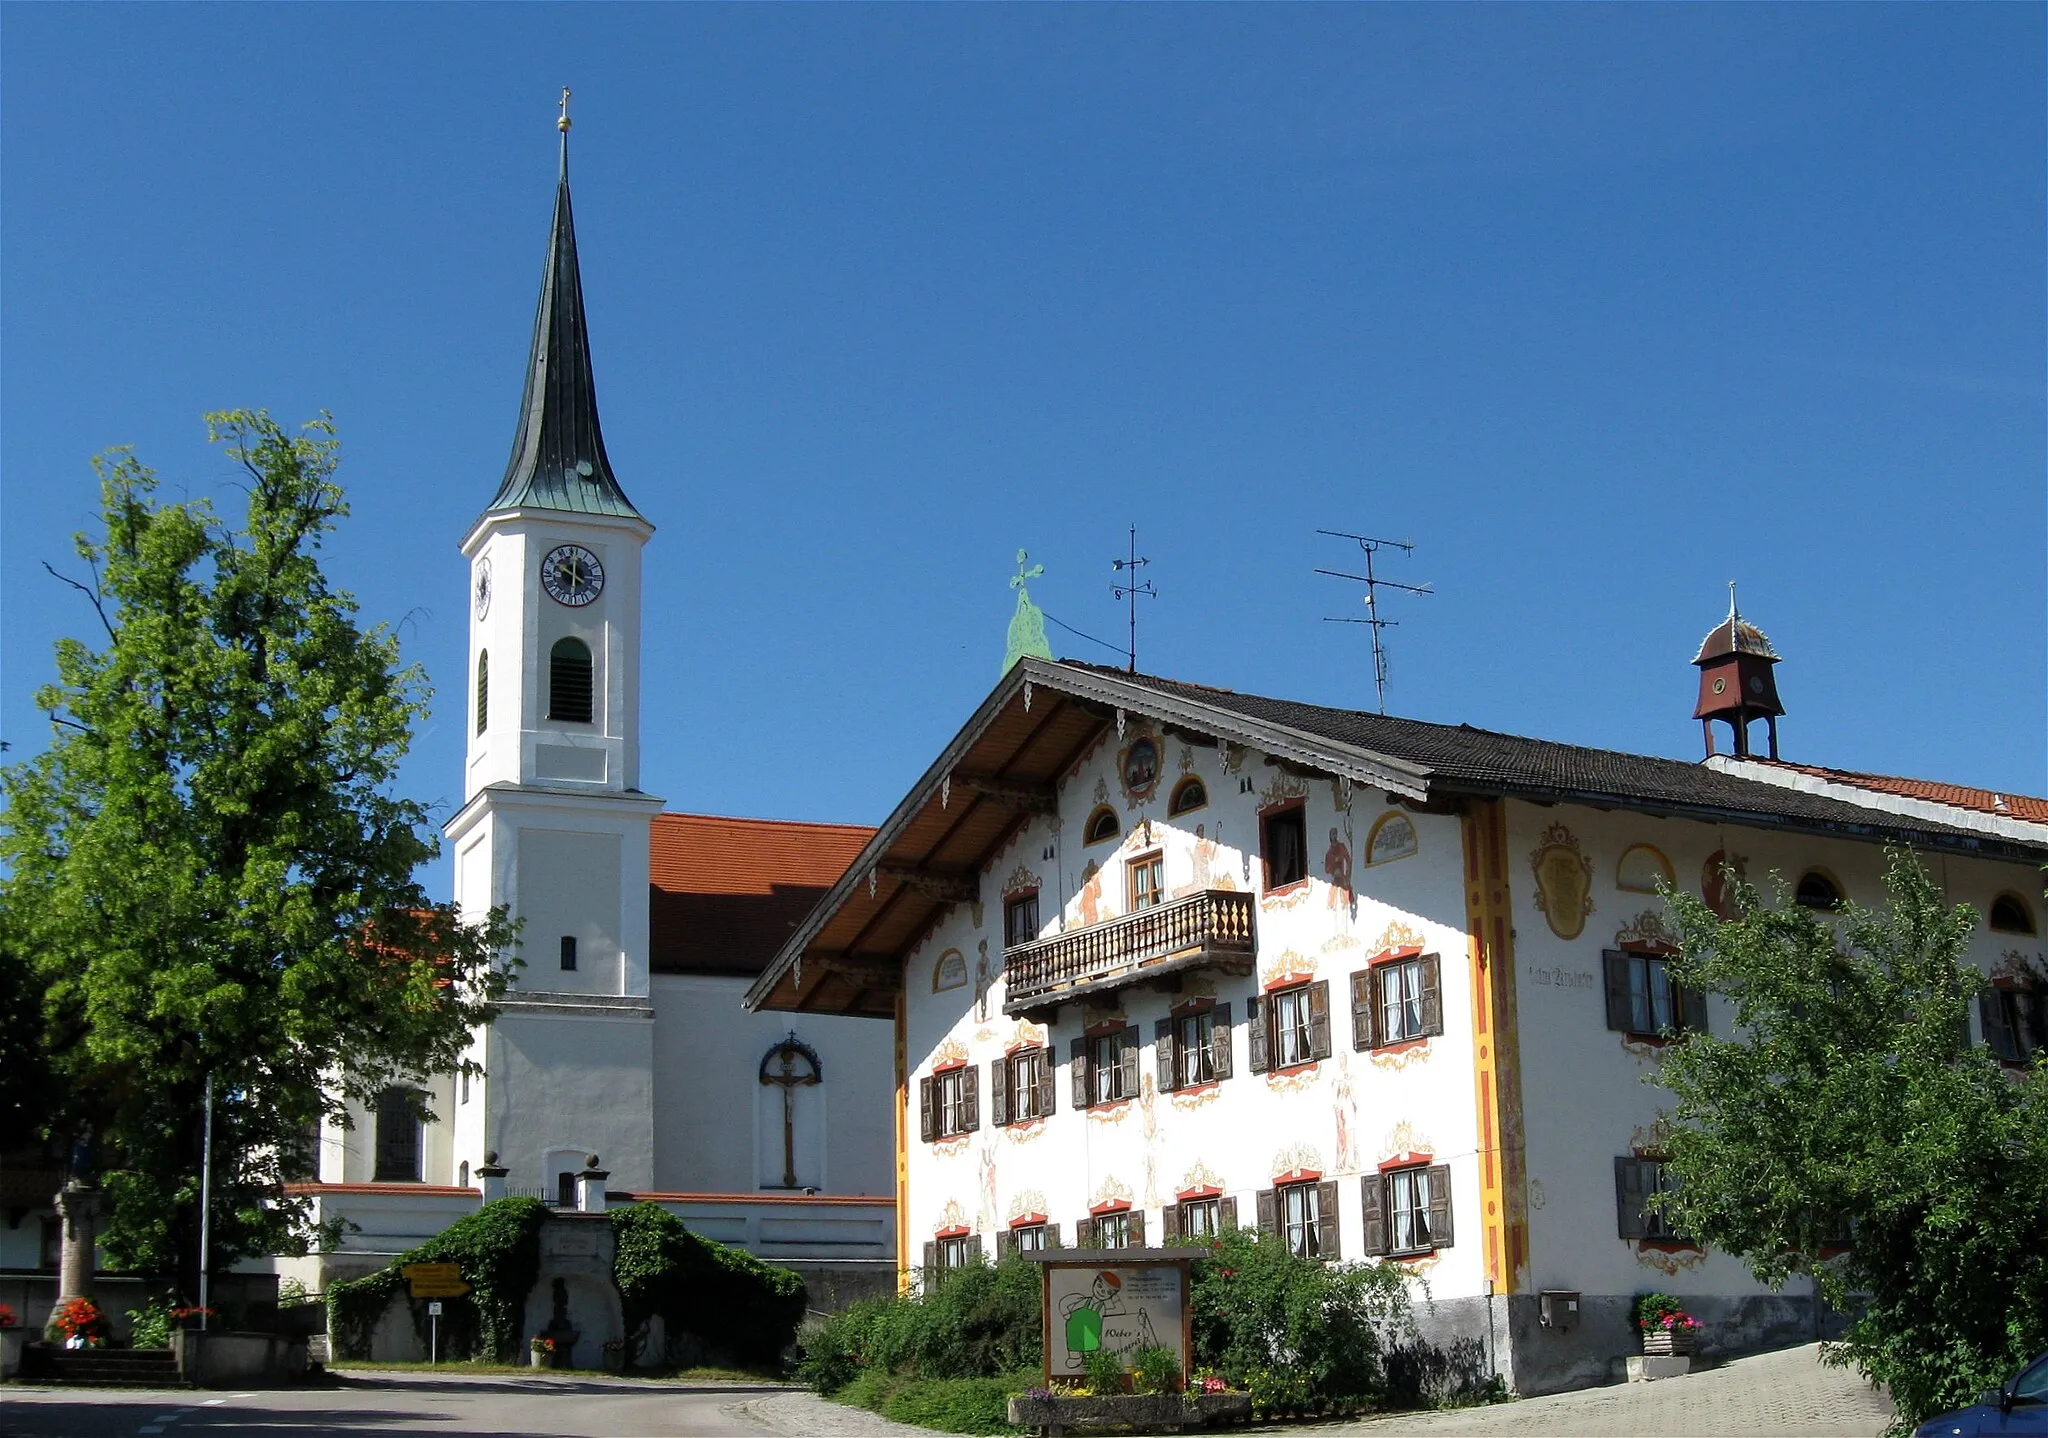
(1112, 1303)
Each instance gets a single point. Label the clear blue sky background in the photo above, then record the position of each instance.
(1600, 306)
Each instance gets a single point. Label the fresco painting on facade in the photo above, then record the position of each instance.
(1391, 837)
(1641, 869)
(1714, 886)
(950, 972)
(1564, 882)
(1138, 768)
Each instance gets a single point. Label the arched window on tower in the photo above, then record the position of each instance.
(483, 689)
(569, 682)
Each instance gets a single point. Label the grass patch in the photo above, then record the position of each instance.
(950, 1405)
(643, 1375)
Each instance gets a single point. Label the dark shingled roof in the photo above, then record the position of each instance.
(558, 459)
(1461, 759)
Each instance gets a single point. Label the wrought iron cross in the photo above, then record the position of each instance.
(789, 1078)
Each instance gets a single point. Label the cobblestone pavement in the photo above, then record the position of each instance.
(805, 1415)
(1787, 1394)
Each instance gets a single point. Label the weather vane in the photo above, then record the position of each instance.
(1372, 583)
(563, 123)
(1129, 591)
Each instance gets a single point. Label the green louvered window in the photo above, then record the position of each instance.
(569, 682)
(483, 690)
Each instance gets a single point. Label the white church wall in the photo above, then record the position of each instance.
(718, 1129)
(572, 1081)
(569, 889)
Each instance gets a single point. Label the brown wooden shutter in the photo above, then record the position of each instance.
(1137, 1228)
(1269, 1211)
(1006, 1243)
(1439, 1177)
(970, 1099)
(1162, 1047)
(1997, 1021)
(1692, 1010)
(1084, 1233)
(1328, 1243)
(1052, 1235)
(1079, 1050)
(1362, 1009)
(1614, 963)
(998, 1092)
(1628, 1197)
(1319, 1019)
(1258, 1037)
(927, 1123)
(1372, 1193)
(1127, 1062)
(1169, 1222)
(974, 1254)
(1219, 1041)
(1045, 1086)
(1431, 967)
(931, 1266)
(1226, 1213)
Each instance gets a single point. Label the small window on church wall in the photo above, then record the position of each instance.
(568, 953)
(483, 690)
(2010, 915)
(1817, 891)
(569, 682)
(398, 1137)
(565, 1190)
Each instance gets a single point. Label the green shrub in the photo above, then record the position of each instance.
(497, 1250)
(1324, 1326)
(957, 1405)
(150, 1325)
(1156, 1370)
(729, 1300)
(1103, 1371)
(981, 1322)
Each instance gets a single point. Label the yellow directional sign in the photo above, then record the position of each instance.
(435, 1280)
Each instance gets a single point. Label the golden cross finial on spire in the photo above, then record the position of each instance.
(563, 123)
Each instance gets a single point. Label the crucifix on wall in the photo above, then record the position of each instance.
(790, 1065)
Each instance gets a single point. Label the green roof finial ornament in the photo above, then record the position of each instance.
(1027, 625)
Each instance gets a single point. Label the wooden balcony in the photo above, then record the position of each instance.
(1212, 929)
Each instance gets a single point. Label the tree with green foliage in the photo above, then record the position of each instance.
(207, 873)
(1848, 1131)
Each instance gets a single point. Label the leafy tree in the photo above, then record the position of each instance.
(207, 873)
(1849, 1131)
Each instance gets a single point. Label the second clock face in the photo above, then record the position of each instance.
(571, 575)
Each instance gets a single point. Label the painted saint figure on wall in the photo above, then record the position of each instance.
(1337, 869)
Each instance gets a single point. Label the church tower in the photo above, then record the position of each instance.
(553, 825)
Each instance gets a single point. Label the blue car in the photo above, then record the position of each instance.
(2017, 1406)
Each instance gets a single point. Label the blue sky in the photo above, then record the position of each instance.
(1602, 307)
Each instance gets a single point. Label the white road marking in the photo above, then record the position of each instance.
(213, 1402)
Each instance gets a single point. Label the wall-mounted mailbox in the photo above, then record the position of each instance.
(1557, 1308)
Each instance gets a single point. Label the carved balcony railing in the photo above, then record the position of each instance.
(1212, 929)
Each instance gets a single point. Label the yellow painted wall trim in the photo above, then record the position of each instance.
(1497, 1068)
(902, 1146)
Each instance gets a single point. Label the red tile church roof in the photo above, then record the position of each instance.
(1958, 796)
(724, 894)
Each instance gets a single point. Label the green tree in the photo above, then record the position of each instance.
(1849, 1112)
(207, 873)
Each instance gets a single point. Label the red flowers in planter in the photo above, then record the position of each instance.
(8, 1317)
(78, 1319)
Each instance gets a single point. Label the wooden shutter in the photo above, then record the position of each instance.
(1162, 1045)
(1127, 1062)
(1372, 1193)
(1319, 1019)
(1439, 1176)
(1006, 1243)
(1084, 1233)
(1997, 1021)
(1269, 1211)
(999, 1091)
(927, 1123)
(1045, 1089)
(931, 1266)
(1692, 1010)
(1328, 1244)
(1079, 1050)
(974, 1250)
(1362, 1009)
(1628, 1197)
(1226, 1214)
(1614, 963)
(970, 1099)
(1169, 1222)
(1258, 1013)
(1052, 1235)
(1431, 967)
(1137, 1228)
(1219, 1041)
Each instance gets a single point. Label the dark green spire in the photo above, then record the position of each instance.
(558, 458)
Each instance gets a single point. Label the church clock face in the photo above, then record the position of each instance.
(483, 588)
(571, 575)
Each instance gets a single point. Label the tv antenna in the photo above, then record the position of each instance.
(1129, 587)
(1373, 584)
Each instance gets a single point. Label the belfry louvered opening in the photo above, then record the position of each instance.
(483, 690)
(569, 682)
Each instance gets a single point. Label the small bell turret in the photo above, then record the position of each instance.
(1736, 684)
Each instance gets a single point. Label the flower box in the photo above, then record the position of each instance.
(1145, 1412)
(1673, 1342)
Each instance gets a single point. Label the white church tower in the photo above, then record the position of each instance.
(553, 824)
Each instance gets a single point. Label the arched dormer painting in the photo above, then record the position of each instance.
(1392, 837)
(1641, 868)
(950, 972)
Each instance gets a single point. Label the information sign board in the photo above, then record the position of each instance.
(434, 1280)
(1121, 1300)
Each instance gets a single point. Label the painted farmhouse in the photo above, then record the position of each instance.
(1161, 958)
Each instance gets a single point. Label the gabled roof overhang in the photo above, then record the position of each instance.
(1003, 767)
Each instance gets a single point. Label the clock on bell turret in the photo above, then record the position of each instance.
(572, 575)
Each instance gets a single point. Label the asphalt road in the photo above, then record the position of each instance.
(447, 1405)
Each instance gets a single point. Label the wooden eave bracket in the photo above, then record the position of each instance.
(1020, 798)
(947, 886)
